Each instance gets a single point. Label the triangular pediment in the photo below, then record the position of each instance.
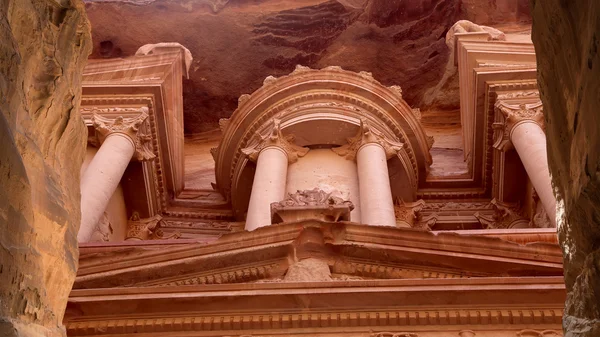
(352, 252)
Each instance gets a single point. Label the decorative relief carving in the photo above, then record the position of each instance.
(381, 318)
(314, 197)
(146, 229)
(397, 90)
(506, 216)
(301, 69)
(103, 230)
(223, 123)
(539, 218)
(514, 115)
(367, 135)
(372, 270)
(444, 206)
(241, 275)
(241, 100)
(276, 138)
(417, 113)
(313, 204)
(519, 94)
(407, 213)
(466, 333)
(214, 152)
(127, 126)
(269, 80)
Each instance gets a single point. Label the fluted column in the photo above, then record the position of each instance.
(523, 131)
(272, 155)
(120, 140)
(371, 150)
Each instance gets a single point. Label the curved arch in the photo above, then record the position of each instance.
(330, 95)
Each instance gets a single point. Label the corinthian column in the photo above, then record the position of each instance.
(272, 155)
(121, 140)
(523, 130)
(371, 150)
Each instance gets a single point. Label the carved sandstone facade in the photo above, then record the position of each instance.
(326, 217)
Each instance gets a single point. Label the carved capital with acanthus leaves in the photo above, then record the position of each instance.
(367, 134)
(515, 114)
(505, 216)
(276, 139)
(407, 213)
(129, 127)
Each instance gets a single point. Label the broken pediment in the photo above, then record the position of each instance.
(349, 252)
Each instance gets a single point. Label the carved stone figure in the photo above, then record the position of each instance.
(103, 230)
(146, 229)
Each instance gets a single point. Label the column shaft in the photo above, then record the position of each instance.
(268, 186)
(530, 142)
(101, 179)
(377, 206)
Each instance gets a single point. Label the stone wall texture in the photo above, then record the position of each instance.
(566, 35)
(44, 45)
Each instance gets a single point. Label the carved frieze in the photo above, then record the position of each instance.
(313, 204)
(513, 116)
(240, 275)
(277, 139)
(127, 126)
(368, 134)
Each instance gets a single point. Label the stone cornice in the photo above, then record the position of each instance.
(367, 134)
(385, 304)
(514, 115)
(276, 139)
(129, 127)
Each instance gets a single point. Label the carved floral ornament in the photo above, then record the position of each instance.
(367, 134)
(515, 114)
(130, 127)
(276, 139)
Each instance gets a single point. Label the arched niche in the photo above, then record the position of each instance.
(321, 109)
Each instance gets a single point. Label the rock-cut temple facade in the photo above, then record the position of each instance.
(332, 211)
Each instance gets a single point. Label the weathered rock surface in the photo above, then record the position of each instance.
(237, 43)
(566, 38)
(43, 48)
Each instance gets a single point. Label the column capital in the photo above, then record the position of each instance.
(367, 134)
(276, 139)
(128, 127)
(515, 114)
